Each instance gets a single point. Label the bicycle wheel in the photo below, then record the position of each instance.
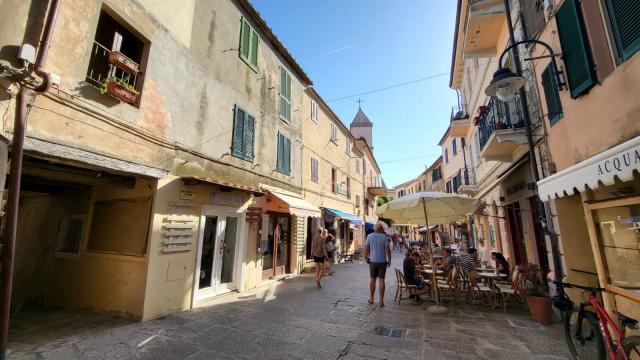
(631, 347)
(587, 343)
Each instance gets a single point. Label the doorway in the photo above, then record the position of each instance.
(216, 255)
(517, 233)
(275, 260)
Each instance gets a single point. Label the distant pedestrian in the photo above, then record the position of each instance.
(319, 253)
(378, 255)
(330, 245)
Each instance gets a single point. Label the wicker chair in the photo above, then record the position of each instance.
(511, 290)
(477, 289)
(451, 286)
(402, 287)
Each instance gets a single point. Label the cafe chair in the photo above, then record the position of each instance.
(451, 286)
(402, 287)
(478, 289)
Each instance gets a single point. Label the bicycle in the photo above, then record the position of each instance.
(588, 332)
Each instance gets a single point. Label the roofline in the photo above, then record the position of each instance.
(446, 133)
(370, 153)
(438, 161)
(273, 39)
(455, 44)
(315, 95)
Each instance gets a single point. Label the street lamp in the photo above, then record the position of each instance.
(505, 84)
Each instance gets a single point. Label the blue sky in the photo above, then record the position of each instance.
(352, 46)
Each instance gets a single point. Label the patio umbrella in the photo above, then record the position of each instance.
(429, 208)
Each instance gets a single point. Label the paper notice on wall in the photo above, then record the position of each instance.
(264, 234)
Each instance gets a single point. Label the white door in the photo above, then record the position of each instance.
(216, 255)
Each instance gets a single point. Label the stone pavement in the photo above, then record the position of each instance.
(292, 319)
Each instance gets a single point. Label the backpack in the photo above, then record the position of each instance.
(330, 246)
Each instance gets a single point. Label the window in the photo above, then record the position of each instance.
(70, 234)
(120, 226)
(314, 170)
(454, 148)
(366, 206)
(357, 200)
(575, 48)
(284, 155)
(435, 174)
(624, 22)
(348, 188)
(285, 95)
(243, 135)
(358, 166)
(334, 180)
(364, 167)
(617, 226)
(347, 149)
(314, 111)
(446, 156)
(334, 132)
(551, 95)
(462, 143)
(448, 186)
(248, 44)
(115, 61)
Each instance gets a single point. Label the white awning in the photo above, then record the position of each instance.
(619, 161)
(297, 205)
(424, 228)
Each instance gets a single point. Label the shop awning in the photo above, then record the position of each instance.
(369, 225)
(297, 205)
(343, 215)
(619, 161)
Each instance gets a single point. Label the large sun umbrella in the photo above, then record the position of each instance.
(429, 208)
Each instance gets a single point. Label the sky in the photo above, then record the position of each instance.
(349, 47)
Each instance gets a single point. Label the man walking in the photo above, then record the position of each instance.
(319, 253)
(378, 255)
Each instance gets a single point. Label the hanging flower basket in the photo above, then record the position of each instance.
(119, 60)
(120, 90)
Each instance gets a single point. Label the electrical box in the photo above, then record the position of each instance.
(27, 53)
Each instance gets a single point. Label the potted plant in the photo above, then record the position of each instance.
(119, 89)
(537, 293)
(123, 62)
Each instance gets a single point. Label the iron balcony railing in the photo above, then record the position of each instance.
(101, 68)
(499, 115)
(459, 112)
(373, 181)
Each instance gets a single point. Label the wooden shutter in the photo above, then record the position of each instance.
(625, 20)
(280, 160)
(575, 48)
(285, 106)
(245, 35)
(253, 41)
(248, 136)
(120, 226)
(287, 155)
(550, 87)
(238, 133)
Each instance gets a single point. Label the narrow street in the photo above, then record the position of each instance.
(293, 320)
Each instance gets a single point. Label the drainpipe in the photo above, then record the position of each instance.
(17, 150)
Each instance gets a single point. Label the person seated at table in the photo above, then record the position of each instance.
(502, 266)
(409, 266)
(469, 262)
(448, 260)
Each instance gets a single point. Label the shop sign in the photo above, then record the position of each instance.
(253, 214)
(187, 194)
(623, 162)
(341, 189)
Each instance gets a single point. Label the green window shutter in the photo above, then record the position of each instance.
(245, 34)
(285, 95)
(550, 87)
(287, 156)
(253, 58)
(575, 48)
(280, 161)
(238, 131)
(248, 136)
(625, 20)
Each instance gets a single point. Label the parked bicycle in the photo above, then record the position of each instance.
(589, 331)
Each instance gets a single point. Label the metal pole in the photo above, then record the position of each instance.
(7, 255)
(434, 283)
(555, 252)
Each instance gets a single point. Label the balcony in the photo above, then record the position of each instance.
(468, 184)
(113, 73)
(501, 130)
(485, 19)
(374, 185)
(459, 120)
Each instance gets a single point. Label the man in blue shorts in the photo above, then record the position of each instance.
(378, 256)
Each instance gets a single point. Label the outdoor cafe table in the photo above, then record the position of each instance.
(492, 276)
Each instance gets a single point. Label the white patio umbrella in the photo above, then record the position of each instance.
(429, 208)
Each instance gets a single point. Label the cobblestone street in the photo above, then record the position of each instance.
(291, 319)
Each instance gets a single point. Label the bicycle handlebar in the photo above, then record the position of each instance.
(586, 288)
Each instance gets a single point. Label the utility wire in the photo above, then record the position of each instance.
(407, 159)
(390, 87)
